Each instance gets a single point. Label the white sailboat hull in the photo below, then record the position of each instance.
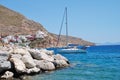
(71, 51)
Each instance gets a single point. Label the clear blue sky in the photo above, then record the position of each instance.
(93, 20)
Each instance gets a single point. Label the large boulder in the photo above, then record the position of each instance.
(36, 54)
(28, 61)
(18, 64)
(4, 55)
(45, 65)
(19, 51)
(60, 57)
(33, 70)
(48, 52)
(18, 56)
(60, 63)
(4, 63)
(7, 76)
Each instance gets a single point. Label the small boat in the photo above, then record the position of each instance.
(69, 48)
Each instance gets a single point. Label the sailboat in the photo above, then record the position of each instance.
(69, 48)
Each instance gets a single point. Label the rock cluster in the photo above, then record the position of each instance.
(22, 60)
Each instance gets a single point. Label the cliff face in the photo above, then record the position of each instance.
(13, 23)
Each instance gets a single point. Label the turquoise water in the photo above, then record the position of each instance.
(100, 63)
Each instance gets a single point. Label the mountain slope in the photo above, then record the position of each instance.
(13, 23)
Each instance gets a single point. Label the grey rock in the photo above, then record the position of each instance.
(45, 65)
(40, 55)
(4, 63)
(48, 52)
(7, 76)
(20, 51)
(28, 61)
(16, 56)
(19, 65)
(61, 63)
(60, 57)
(32, 70)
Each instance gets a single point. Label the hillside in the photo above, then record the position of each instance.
(13, 23)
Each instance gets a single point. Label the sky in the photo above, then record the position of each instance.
(92, 20)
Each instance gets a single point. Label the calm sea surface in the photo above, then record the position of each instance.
(99, 63)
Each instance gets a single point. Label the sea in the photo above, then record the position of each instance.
(99, 63)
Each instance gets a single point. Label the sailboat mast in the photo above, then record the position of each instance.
(61, 28)
(64, 18)
(66, 28)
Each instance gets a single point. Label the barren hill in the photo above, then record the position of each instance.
(13, 23)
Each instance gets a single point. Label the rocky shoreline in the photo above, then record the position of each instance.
(16, 61)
